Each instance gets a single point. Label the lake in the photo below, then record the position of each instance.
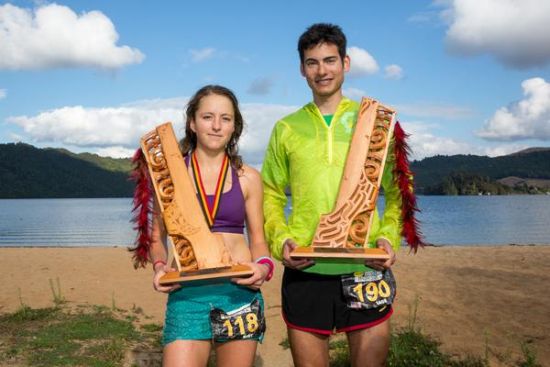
(65, 222)
(457, 220)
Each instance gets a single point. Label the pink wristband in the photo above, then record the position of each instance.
(270, 264)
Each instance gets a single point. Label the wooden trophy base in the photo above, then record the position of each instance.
(346, 254)
(235, 271)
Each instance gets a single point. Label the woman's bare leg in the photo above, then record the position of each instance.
(192, 353)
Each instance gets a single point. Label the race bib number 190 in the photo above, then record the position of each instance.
(243, 323)
(371, 289)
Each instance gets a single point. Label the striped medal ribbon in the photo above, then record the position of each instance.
(209, 211)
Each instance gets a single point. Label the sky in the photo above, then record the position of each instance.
(466, 76)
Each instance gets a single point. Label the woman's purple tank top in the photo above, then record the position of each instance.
(231, 213)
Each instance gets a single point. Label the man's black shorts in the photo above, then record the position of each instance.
(315, 303)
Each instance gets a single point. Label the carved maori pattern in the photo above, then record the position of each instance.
(185, 253)
(176, 226)
(348, 225)
(334, 228)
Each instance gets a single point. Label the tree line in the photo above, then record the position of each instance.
(30, 172)
(473, 175)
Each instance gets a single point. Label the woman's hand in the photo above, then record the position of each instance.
(160, 270)
(255, 281)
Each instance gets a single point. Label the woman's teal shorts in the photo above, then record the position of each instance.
(188, 308)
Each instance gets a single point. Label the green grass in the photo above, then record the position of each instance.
(413, 348)
(408, 348)
(529, 356)
(58, 299)
(152, 328)
(57, 336)
(100, 336)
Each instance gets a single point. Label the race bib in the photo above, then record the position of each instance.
(243, 323)
(370, 289)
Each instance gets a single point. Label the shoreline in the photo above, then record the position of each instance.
(470, 298)
(403, 248)
(288, 195)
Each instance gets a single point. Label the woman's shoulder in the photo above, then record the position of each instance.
(249, 172)
(250, 180)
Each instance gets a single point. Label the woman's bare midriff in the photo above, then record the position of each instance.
(237, 246)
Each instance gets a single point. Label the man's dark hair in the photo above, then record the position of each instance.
(322, 33)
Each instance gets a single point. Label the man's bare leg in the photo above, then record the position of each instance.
(369, 347)
(308, 349)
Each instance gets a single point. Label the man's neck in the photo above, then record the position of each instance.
(328, 105)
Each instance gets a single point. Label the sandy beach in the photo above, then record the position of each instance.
(471, 299)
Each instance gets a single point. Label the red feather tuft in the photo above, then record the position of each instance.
(142, 209)
(404, 176)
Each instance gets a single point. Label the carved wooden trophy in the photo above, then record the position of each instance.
(344, 232)
(196, 252)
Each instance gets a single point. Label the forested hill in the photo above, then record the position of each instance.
(525, 171)
(29, 172)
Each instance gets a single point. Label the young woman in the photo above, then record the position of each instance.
(213, 127)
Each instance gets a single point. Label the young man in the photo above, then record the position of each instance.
(307, 152)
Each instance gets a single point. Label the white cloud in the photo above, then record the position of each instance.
(100, 127)
(116, 131)
(259, 120)
(515, 32)
(354, 93)
(393, 71)
(440, 111)
(435, 110)
(116, 152)
(202, 54)
(362, 63)
(526, 119)
(3, 93)
(424, 143)
(14, 137)
(504, 149)
(54, 36)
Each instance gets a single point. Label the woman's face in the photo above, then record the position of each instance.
(214, 122)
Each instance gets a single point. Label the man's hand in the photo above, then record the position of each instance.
(380, 264)
(297, 264)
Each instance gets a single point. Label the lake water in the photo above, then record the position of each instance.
(65, 222)
(459, 220)
(519, 219)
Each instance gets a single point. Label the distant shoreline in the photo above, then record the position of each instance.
(91, 222)
(404, 247)
(288, 195)
(62, 198)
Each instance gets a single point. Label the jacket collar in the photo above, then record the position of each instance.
(344, 103)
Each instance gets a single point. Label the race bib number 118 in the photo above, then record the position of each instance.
(244, 323)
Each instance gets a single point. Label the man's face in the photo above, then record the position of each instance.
(324, 69)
